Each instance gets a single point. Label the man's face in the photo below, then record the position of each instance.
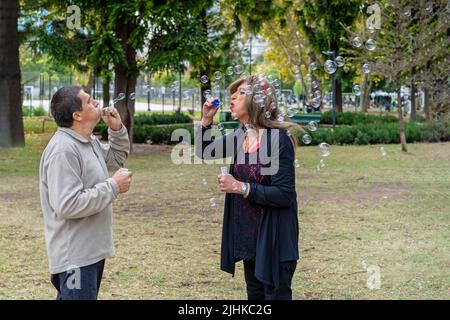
(90, 109)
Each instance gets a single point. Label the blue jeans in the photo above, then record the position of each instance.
(79, 283)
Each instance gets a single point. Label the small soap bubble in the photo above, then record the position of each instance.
(306, 139)
(330, 66)
(371, 44)
(312, 126)
(204, 79)
(356, 89)
(366, 67)
(218, 75)
(340, 61)
(357, 42)
(324, 149)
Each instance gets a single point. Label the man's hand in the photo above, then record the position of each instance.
(112, 118)
(123, 180)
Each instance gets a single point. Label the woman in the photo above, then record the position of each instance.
(260, 223)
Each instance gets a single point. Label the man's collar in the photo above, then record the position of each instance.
(74, 134)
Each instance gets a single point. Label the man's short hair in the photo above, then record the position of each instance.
(64, 103)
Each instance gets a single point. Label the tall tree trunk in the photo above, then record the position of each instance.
(88, 87)
(426, 104)
(126, 78)
(401, 122)
(11, 123)
(365, 90)
(413, 95)
(106, 97)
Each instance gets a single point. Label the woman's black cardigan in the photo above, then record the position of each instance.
(277, 239)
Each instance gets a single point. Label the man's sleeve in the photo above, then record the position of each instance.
(117, 150)
(67, 195)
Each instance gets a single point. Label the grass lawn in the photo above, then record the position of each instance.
(361, 208)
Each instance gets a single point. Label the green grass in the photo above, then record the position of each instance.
(390, 211)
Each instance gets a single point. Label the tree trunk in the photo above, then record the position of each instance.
(426, 104)
(413, 96)
(401, 122)
(106, 97)
(88, 87)
(11, 123)
(126, 78)
(365, 91)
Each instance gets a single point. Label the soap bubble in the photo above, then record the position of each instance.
(204, 181)
(313, 66)
(207, 94)
(238, 69)
(308, 76)
(322, 163)
(276, 83)
(296, 163)
(324, 149)
(366, 67)
(317, 94)
(356, 89)
(280, 118)
(212, 202)
(312, 126)
(340, 61)
(204, 79)
(382, 152)
(316, 103)
(306, 139)
(258, 98)
(357, 42)
(330, 66)
(230, 71)
(371, 44)
(132, 96)
(220, 126)
(290, 112)
(120, 96)
(315, 84)
(218, 75)
(268, 114)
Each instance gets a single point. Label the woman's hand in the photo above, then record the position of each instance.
(228, 184)
(209, 111)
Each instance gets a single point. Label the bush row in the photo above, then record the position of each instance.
(37, 112)
(352, 118)
(383, 133)
(154, 133)
(161, 118)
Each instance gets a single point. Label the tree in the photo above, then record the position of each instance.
(11, 124)
(324, 25)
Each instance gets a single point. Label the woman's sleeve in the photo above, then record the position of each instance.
(281, 191)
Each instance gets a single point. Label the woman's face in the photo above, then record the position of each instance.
(237, 105)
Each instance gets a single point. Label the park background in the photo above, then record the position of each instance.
(374, 217)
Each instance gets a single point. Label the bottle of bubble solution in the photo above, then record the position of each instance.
(123, 170)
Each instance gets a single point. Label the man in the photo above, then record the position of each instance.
(77, 192)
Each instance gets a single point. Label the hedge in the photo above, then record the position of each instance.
(351, 118)
(383, 133)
